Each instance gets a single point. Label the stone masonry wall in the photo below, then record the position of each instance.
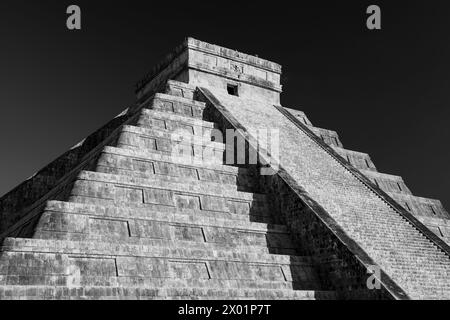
(29, 197)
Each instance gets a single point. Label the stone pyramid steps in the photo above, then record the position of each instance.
(402, 252)
(141, 138)
(169, 212)
(387, 182)
(165, 139)
(176, 105)
(147, 230)
(158, 249)
(147, 223)
(170, 180)
(146, 164)
(148, 282)
(50, 262)
(272, 247)
(359, 160)
(207, 188)
(172, 215)
(171, 122)
(422, 208)
(148, 208)
(94, 187)
(226, 181)
(339, 192)
(151, 155)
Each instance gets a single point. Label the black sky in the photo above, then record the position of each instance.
(386, 92)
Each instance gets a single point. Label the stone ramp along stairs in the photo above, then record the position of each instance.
(414, 262)
(143, 224)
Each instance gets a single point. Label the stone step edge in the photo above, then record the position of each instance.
(84, 291)
(136, 173)
(93, 248)
(166, 282)
(435, 220)
(189, 214)
(422, 200)
(155, 156)
(164, 185)
(65, 207)
(184, 85)
(320, 129)
(172, 98)
(382, 175)
(348, 151)
(164, 178)
(168, 243)
(178, 118)
(211, 156)
(258, 216)
(194, 140)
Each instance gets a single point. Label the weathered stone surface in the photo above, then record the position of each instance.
(400, 249)
(123, 216)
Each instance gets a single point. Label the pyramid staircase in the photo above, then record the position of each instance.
(325, 192)
(141, 222)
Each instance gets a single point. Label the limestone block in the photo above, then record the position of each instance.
(110, 227)
(142, 267)
(180, 89)
(187, 233)
(125, 194)
(177, 105)
(149, 229)
(242, 271)
(188, 270)
(214, 203)
(359, 160)
(328, 136)
(158, 196)
(186, 201)
(387, 182)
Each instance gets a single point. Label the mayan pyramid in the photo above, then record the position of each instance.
(162, 203)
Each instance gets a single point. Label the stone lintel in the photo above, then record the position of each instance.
(202, 64)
